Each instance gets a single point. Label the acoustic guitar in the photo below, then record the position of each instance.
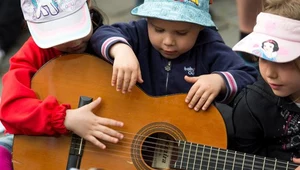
(159, 132)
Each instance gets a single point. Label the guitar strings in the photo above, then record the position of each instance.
(185, 156)
(203, 161)
(236, 164)
(213, 149)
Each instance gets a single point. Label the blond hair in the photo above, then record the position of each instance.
(285, 8)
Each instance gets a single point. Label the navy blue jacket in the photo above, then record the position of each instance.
(209, 54)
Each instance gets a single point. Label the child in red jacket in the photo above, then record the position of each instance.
(56, 27)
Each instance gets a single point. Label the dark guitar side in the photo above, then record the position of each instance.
(70, 76)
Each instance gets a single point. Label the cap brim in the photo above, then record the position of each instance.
(56, 32)
(253, 44)
(153, 10)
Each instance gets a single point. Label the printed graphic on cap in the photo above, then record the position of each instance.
(267, 50)
(45, 8)
(194, 1)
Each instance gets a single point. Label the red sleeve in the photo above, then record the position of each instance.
(20, 110)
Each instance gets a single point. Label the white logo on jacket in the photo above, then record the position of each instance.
(190, 71)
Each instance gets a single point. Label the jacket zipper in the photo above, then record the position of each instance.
(168, 69)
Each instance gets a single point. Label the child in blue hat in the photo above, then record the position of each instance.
(176, 49)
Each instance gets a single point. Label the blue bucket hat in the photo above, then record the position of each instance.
(192, 11)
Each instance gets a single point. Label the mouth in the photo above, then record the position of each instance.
(169, 52)
(78, 47)
(275, 86)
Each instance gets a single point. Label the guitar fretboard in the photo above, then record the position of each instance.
(193, 156)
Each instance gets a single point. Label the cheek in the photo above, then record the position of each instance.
(186, 43)
(65, 47)
(293, 77)
(60, 48)
(154, 38)
(293, 84)
(261, 67)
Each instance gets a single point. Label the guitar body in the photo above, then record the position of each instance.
(145, 118)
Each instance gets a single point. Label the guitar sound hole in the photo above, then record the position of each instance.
(159, 151)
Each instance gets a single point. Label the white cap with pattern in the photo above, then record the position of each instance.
(54, 22)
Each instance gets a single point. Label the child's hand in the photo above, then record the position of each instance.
(126, 68)
(204, 90)
(86, 124)
(297, 161)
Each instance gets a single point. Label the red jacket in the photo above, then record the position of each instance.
(21, 112)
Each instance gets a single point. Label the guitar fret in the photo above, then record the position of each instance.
(259, 161)
(198, 157)
(77, 144)
(217, 159)
(243, 164)
(209, 156)
(230, 159)
(269, 163)
(239, 161)
(179, 150)
(233, 163)
(248, 162)
(264, 162)
(184, 159)
(188, 161)
(182, 156)
(275, 164)
(202, 156)
(253, 161)
(195, 157)
(225, 159)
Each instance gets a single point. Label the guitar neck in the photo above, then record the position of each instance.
(193, 156)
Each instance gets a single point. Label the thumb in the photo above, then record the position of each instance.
(296, 160)
(140, 79)
(93, 104)
(190, 79)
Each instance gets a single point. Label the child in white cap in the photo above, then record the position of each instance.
(56, 27)
(266, 115)
(176, 49)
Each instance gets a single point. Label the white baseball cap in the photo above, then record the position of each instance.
(274, 38)
(54, 22)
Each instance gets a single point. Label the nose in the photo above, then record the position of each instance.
(169, 40)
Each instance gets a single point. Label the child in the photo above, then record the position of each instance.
(266, 114)
(56, 27)
(178, 50)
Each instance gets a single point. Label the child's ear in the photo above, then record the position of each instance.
(210, 1)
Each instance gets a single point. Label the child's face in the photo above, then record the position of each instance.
(76, 46)
(172, 38)
(283, 78)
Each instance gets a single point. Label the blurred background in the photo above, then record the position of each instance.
(224, 14)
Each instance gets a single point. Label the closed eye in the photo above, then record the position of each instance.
(181, 32)
(159, 30)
